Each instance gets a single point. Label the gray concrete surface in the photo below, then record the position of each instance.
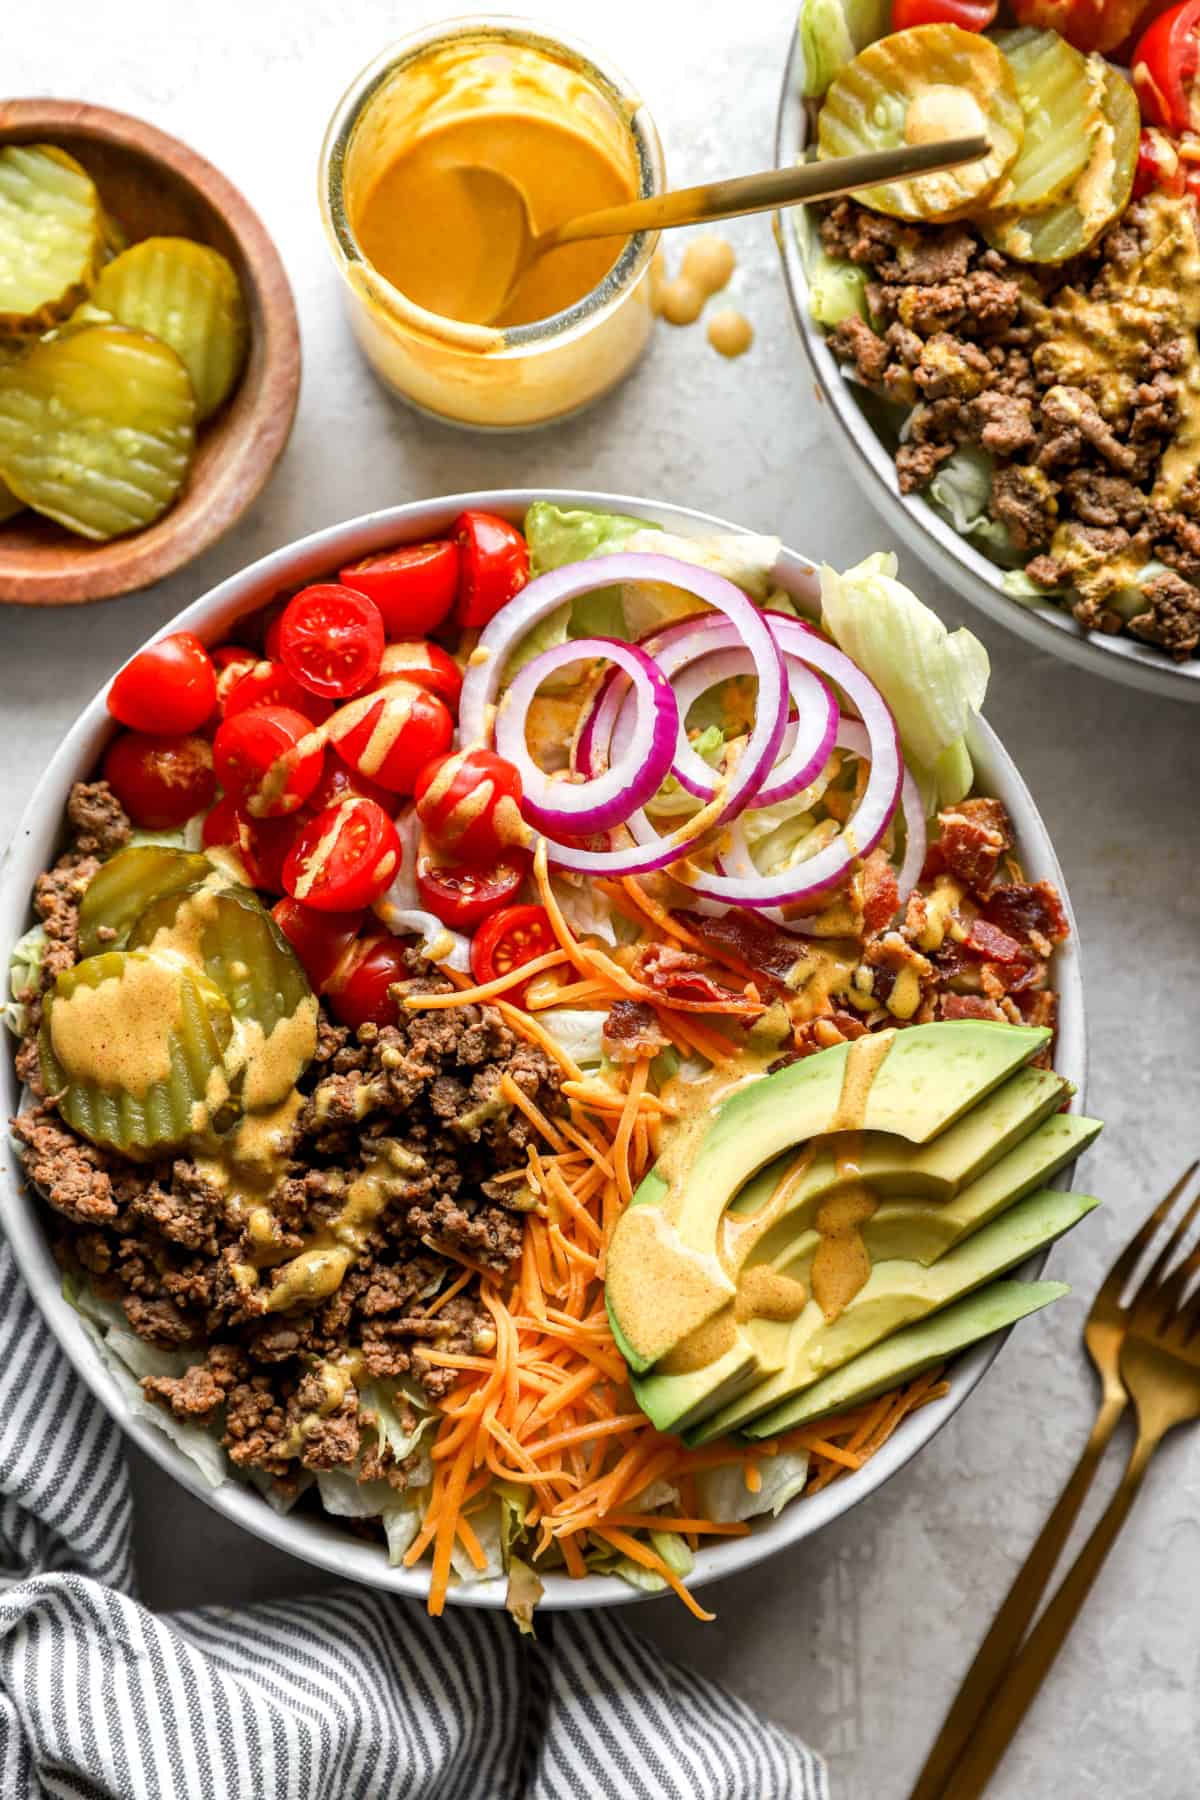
(858, 1638)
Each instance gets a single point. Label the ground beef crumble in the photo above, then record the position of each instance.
(159, 1239)
(968, 341)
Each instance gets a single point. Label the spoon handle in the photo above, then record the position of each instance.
(765, 191)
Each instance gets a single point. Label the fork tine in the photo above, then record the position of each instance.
(1117, 1277)
(1187, 1323)
(1168, 1299)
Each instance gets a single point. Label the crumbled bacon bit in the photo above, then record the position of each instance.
(880, 892)
(631, 1030)
(1029, 911)
(767, 949)
(988, 942)
(974, 836)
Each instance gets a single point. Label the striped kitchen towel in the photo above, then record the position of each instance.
(345, 1697)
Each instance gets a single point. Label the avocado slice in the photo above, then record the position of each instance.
(937, 1171)
(797, 1354)
(908, 1352)
(665, 1279)
(921, 1232)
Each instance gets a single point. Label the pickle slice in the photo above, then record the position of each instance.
(1061, 103)
(919, 85)
(10, 503)
(134, 1047)
(188, 295)
(242, 951)
(1099, 194)
(123, 887)
(51, 235)
(97, 427)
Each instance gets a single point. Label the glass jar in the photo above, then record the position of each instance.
(488, 377)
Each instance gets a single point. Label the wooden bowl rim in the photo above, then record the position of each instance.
(256, 439)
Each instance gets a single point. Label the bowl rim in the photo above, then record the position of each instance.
(320, 1541)
(231, 486)
(926, 534)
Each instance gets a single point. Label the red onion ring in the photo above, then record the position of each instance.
(542, 595)
(608, 795)
(807, 741)
(830, 866)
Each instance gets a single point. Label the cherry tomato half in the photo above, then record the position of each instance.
(331, 640)
(390, 736)
(338, 781)
(321, 940)
(493, 565)
(359, 992)
(160, 781)
(1165, 64)
(343, 858)
(261, 845)
(269, 684)
(507, 940)
(1087, 24)
(414, 586)
(463, 894)
(426, 664)
(268, 757)
(470, 804)
(968, 15)
(231, 661)
(170, 686)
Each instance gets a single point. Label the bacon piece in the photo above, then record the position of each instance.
(969, 1006)
(631, 1031)
(974, 836)
(767, 949)
(1029, 911)
(822, 1034)
(1038, 1008)
(880, 892)
(990, 944)
(678, 974)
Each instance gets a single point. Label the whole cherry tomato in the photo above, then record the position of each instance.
(331, 640)
(338, 781)
(269, 684)
(414, 586)
(1158, 165)
(321, 940)
(1165, 65)
(463, 894)
(160, 781)
(968, 15)
(426, 664)
(1088, 24)
(268, 757)
(507, 940)
(470, 804)
(343, 858)
(170, 686)
(261, 845)
(493, 565)
(389, 736)
(359, 991)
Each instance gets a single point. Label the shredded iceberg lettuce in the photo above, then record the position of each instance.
(577, 1031)
(24, 978)
(960, 492)
(723, 1493)
(488, 1526)
(401, 910)
(557, 535)
(589, 912)
(934, 680)
(832, 32)
(188, 836)
(390, 1401)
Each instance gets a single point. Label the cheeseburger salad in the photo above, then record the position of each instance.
(1025, 326)
(385, 947)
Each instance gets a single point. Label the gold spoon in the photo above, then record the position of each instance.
(502, 203)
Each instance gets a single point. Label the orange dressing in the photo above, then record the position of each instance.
(435, 233)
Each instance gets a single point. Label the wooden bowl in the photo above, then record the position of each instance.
(155, 185)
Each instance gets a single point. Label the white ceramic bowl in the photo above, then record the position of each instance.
(322, 1541)
(927, 534)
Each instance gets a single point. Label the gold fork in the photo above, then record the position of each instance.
(977, 1718)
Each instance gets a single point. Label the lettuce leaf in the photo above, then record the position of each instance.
(961, 491)
(488, 1526)
(722, 1493)
(24, 978)
(401, 910)
(577, 1030)
(557, 535)
(524, 1591)
(933, 680)
(832, 32)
